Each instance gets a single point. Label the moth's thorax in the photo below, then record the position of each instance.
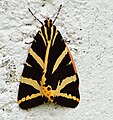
(48, 29)
(48, 22)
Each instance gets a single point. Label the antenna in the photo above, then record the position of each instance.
(57, 13)
(34, 16)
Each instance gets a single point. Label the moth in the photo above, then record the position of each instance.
(49, 73)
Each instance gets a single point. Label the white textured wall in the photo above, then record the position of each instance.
(88, 24)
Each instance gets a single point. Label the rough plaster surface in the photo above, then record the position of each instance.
(88, 24)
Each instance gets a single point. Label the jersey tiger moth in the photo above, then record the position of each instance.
(49, 73)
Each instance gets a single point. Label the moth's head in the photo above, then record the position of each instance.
(48, 22)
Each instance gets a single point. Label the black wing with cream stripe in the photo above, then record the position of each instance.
(30, 94)
(49, 73)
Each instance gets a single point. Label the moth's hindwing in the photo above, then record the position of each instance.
(49, 73)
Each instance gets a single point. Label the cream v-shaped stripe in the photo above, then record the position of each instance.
(37, 58)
